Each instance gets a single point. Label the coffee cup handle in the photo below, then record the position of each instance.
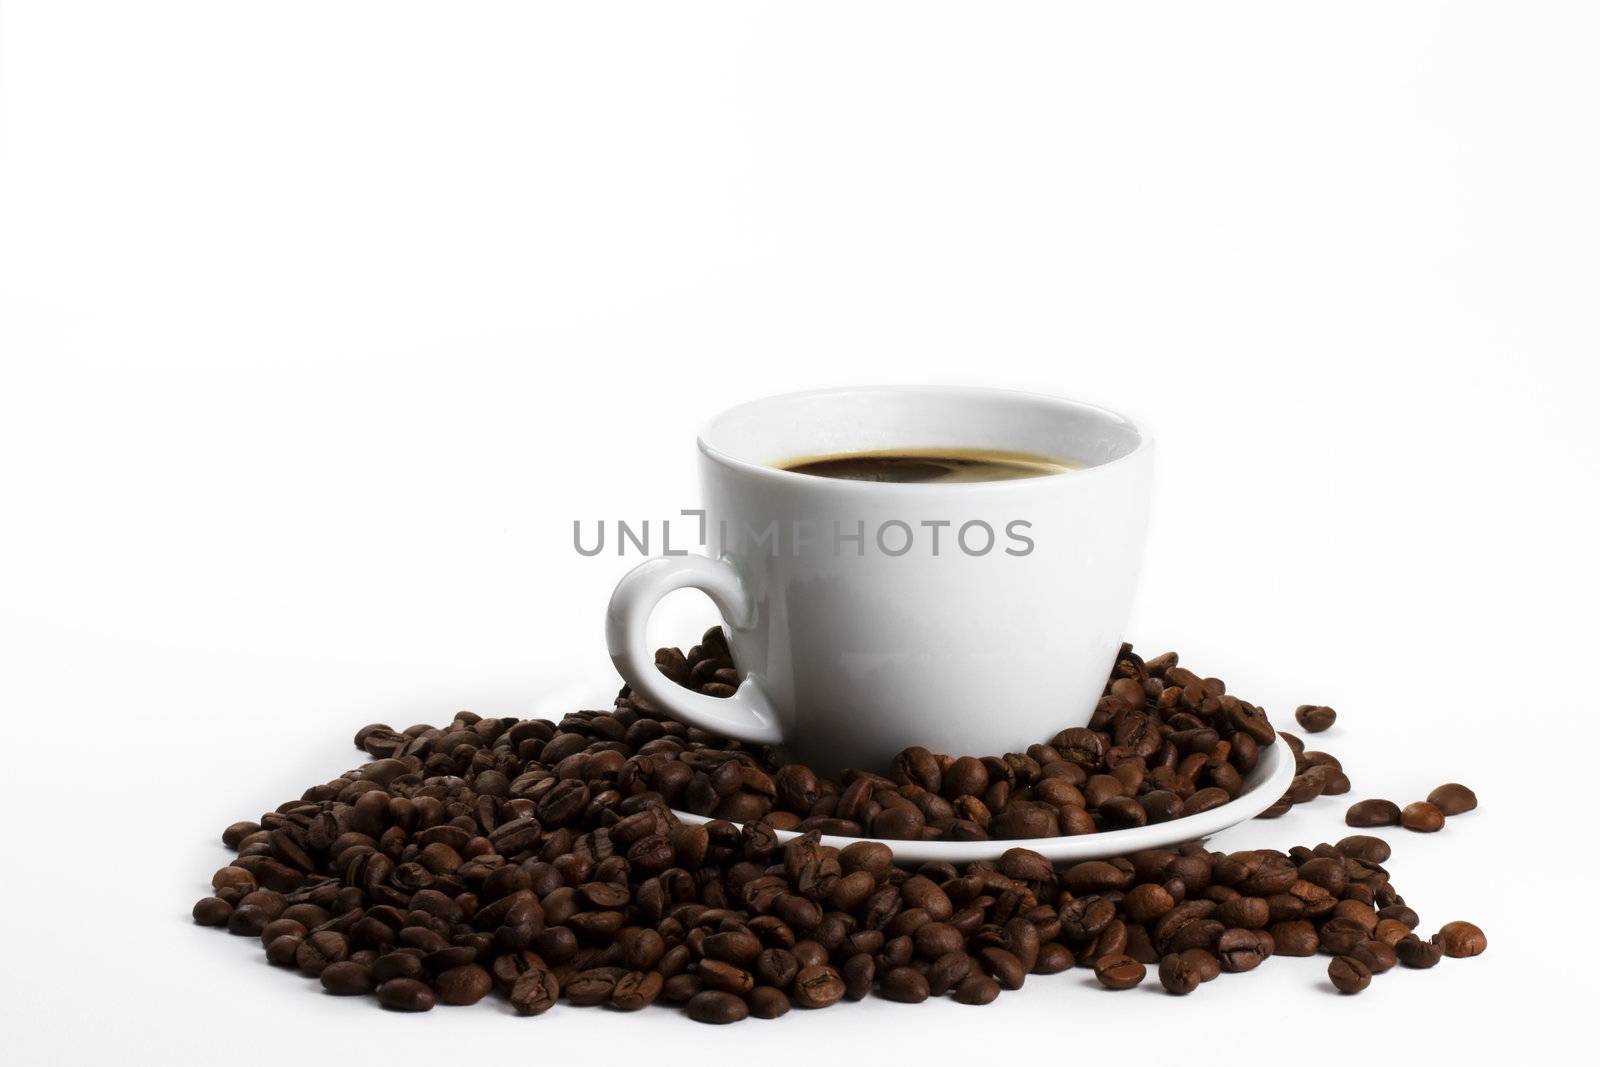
(745, 716)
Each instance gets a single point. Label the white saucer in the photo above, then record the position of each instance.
(1262, 787)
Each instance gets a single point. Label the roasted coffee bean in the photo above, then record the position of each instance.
(1458, 939)
(347, 979)
(905, 984)
(718, 1008)
(637, 990)
(858, 973)
(1339, 937)
(319, 950)
(1453, 799)
(1314, 718)
(1003, 966)
(593, 986)
(1348, 974)
(1295, 937)
(1241, 950)
(1204, 963)
(1178, 974)
(949, 971)
(1365, 848)
(281, 952)
(1422, 817)
(398, 965)
(1378, 956)
(817, 986)
(535, 991)
(1416, 953)
(777, 967)
(405, 994)
(1373, 813)
(767, 1002)
(724, 976)
(212, 911)
(467, 983)
(1055, 957)
(1119, 971)
(977, 989)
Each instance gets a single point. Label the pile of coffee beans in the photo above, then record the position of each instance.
(1423, 816)
(540, 862)
(1163, 743)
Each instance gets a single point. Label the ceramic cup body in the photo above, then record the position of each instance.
(865, 616)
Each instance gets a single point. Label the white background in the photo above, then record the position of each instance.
(323, 321)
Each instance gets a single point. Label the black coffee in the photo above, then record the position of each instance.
(928, 465)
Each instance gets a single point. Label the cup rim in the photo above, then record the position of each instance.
(1143, 441)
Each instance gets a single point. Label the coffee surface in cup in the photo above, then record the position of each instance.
(928, 465)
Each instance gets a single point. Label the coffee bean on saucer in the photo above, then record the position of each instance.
(1348, 974)
(1119, 971)
(1453, 799)
(1459, 939)
(1314, 718)
(1365, 813)
(1422, 817)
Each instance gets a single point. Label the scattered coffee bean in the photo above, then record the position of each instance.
(1422, 817)
(1417, 953)
(1314, 718)
(1458, 939)
(1348, 974)
(1378, 956)
(1365, 813)
(1453, 798)
(212, 911)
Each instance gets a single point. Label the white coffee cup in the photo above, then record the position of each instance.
(850, 649)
